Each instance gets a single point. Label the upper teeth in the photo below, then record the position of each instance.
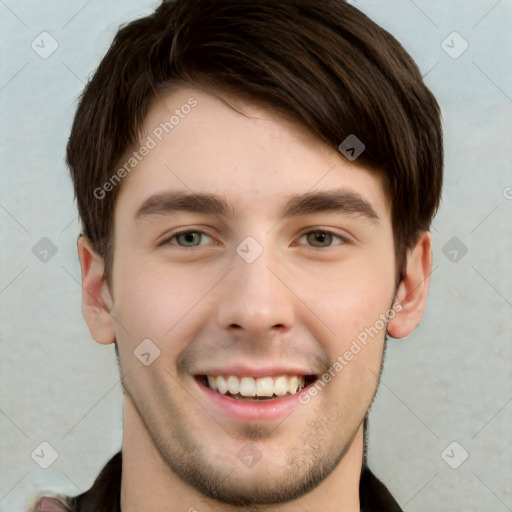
(262, 386)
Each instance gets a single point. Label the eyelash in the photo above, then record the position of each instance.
(167, 241)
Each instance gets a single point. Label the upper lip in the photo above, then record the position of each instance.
(242, 370)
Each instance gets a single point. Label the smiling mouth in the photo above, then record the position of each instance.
(256, 389)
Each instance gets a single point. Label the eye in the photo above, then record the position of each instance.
(187, 237)
(322, 237)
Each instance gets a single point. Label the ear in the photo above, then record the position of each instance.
(413, 289)
(96, 299)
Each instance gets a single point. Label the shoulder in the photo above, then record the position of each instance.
(104, 495)
(50, 503)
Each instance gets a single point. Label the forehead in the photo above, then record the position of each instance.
(209, 142)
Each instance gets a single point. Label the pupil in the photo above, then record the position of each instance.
(321, 237)
(189, 237)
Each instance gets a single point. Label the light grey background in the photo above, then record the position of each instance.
(450, 381)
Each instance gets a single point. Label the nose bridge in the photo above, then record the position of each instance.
(254, 298)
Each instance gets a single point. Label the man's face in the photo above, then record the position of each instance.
(249, 294)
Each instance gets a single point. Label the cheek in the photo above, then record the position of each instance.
(350, 296)
(158, 303)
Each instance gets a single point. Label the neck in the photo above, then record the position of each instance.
(149, 485)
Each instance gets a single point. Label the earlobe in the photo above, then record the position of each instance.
(96, 299)
(412, 291)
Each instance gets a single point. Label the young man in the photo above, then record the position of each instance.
(256, 181)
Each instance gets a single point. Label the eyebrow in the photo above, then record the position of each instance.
(337, 200)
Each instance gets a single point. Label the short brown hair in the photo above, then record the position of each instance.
(325, 63)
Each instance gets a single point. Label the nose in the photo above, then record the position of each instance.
(255, 298)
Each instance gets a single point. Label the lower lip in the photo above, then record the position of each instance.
(251, 410)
